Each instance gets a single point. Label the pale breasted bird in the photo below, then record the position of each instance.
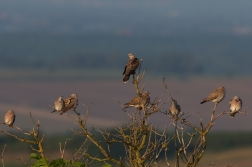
(71, 103)
(59, 104)
(175, 109)
(130, 67)
(139, 101)
(216, 96)
(235, 105)
(9, 118)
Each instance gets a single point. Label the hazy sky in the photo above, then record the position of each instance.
(126, 17)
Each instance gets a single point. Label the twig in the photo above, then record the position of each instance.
(123, 108)
(3, 154)
(166, 87)
(33, 120)
(25, 133)
(21, 160)
(51, 106)
(63, 151)
(78, 151)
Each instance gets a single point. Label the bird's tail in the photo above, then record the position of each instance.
(175, 117)
(203, 101)
(126, 78)
(53, 111)
(232, 115)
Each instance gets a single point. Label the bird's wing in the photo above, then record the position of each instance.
(213, 95)
(69, 102)
(136, 100)
(178, 107)
(134, 64)
(230, 102)
(14, 117)
(125, 68)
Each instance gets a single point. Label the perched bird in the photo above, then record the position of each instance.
(235, 105)
(130, 67)
(70, 104)
(175, 109)
(216, 96)
(9, 118)
(59, 104)
(139, 101)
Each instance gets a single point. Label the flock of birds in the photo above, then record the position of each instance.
(144, 99)
(140, 101)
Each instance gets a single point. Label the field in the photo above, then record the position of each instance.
(35, 96)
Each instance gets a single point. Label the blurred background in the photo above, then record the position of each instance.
(54, 48)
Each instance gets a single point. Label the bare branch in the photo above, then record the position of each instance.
(3, 154)
(21, 160)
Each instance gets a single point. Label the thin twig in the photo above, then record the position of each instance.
(21, 160)
(63, 151)
(3, 154)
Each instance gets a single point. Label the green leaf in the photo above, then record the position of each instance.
(35, 156)
(40, 163)
(107, 165)
(78, 164)
(59, 163)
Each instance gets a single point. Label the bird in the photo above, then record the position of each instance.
(216, 96)
(71, 103)
(59, 104)
(235, 105)
(139, 101)
(9, 118)
(175, 109)
(130, 67)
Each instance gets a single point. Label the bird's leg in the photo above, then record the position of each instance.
(77, 113)
(215, 105)
(134, 79)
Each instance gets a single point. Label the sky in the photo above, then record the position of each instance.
(126, 17)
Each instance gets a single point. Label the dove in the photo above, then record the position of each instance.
(175, 109)
(139, 101)
(71, 103)
(59, 104)
(216, 96)
(9, 118)
(130, 67)
(235, 105)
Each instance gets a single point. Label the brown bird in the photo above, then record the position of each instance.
(71, 103)
(216, 96)
(59, 104)
(139, 101)
(130, 67)
(9, 118)
(175, 109)
(235, 105)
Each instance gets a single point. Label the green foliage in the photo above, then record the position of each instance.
(77, 164)
(107, 165)
(60, 162)
(35, 156)
(40, 162)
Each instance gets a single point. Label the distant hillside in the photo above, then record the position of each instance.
(173, 37)
(175, 54)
